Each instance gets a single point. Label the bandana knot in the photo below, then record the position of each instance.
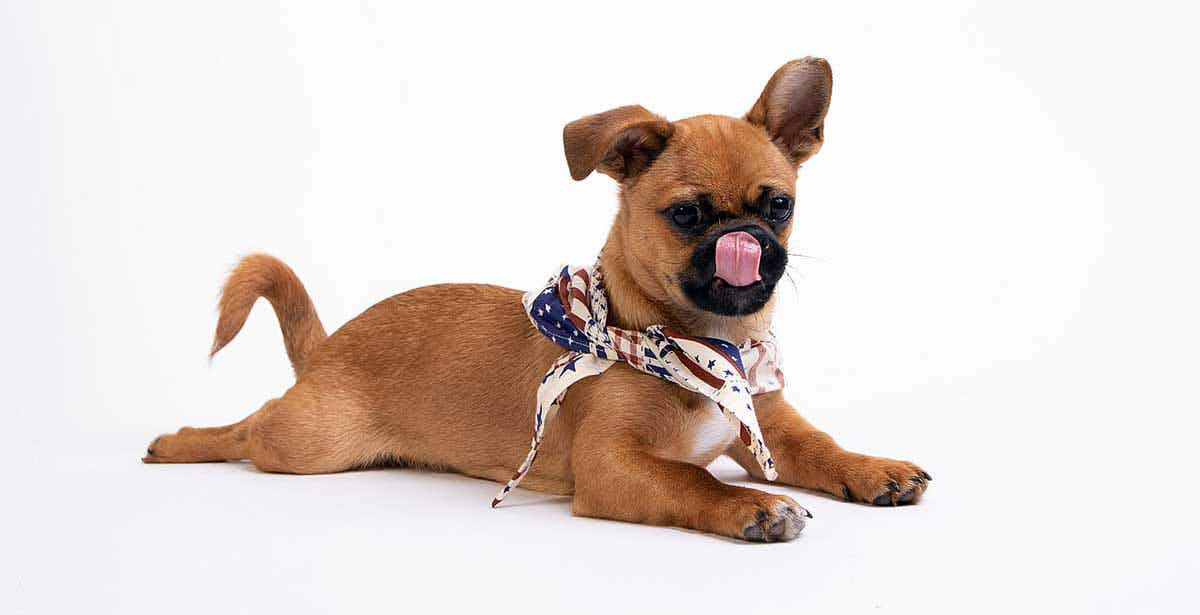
(572, 310)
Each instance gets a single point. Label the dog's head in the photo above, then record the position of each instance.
(706, 202)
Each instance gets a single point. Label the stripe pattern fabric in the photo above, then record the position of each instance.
(572, 310)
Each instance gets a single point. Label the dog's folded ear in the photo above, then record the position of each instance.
(620, 143)
(792, 107)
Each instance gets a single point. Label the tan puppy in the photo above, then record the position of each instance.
(387, 386)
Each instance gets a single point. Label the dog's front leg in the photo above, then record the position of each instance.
(621, 479)
(809, 458)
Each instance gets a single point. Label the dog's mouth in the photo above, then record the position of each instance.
(737, 257)
(734, 271)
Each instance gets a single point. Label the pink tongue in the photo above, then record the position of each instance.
(737, 258)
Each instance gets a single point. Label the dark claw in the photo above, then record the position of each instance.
(846, 494)
(918, 480)
(760, 516)
(796, 515)
(908, 496)
(926, 475)
(893, 486)
(884, 499)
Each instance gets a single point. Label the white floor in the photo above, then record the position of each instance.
(97, 531)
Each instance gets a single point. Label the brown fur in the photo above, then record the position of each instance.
(385, 387)
(260, 275)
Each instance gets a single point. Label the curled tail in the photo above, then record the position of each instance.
(262, 275)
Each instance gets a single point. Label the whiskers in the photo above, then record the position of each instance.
(792, 270)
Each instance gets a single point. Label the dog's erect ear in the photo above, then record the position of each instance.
(620, 143)
(793, 105)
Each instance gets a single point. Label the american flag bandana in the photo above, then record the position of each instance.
(572, 310)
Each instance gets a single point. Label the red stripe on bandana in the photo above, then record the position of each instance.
(707, 344)
(564, 296)
(704, 375)
(576, 293)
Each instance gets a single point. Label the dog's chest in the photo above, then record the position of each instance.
(707, 433)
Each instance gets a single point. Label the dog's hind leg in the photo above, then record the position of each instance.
(299, 433)
(198, 445)
(312, 431)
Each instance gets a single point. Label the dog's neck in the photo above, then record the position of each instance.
(630, 306)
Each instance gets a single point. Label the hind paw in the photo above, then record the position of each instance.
(188, 445)
(155, 453)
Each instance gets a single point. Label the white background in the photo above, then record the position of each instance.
(1002, 287)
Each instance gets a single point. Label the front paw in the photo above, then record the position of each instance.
(763, 517)
(881, 481)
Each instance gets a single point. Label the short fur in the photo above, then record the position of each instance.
(387, 386)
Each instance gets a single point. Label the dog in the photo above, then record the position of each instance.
(411, 382)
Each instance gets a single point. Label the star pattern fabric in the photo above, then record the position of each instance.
(572, 310)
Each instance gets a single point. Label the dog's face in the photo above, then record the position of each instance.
(707, 202)
(720, 190)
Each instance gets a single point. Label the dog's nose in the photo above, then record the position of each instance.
(738, 254)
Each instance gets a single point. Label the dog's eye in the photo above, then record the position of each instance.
(778, 208)
(687, 215)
